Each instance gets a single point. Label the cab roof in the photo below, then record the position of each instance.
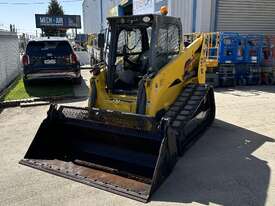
(143, 19)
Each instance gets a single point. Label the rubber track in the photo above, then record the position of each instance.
(184, 110)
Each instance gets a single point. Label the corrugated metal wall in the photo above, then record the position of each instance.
(246, 16)
(92, 14)
(148, 6)
(9, 58)
(204, 15)
(178, 8)
(184, 10)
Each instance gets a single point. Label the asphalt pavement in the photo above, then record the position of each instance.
(232, 164)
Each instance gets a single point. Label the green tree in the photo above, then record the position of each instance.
(55, 9)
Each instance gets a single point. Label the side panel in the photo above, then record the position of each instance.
(164, 88)
(109, 101)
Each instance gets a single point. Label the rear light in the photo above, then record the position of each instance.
(73, 58)
(25, 60)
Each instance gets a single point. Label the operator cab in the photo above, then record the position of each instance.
(132, 57)
(136, 47)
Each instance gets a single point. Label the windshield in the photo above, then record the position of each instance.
(132, 45)
(130, 55)
(42, 48)
(129, 41)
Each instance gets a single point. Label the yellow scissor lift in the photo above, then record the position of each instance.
(210, 53)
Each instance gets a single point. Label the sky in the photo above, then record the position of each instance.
(22, 15)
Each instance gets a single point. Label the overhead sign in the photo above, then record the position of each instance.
(66, 21)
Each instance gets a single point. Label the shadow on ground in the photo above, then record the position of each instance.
(69, 101)
(221, 169)
(249, 90)
(81, 89)
(49, 88)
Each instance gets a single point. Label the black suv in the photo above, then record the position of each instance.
(51, 58)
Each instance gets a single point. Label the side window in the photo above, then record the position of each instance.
(173, 40)
(168, 45)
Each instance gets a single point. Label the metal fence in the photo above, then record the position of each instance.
(9, 58)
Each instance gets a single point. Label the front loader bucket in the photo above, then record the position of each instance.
(126, 154)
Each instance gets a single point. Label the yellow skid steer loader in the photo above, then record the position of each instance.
(148, 103)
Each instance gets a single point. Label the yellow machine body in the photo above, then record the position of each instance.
(146, 107)
(159, 94)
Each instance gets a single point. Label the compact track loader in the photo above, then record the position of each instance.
(148, 103)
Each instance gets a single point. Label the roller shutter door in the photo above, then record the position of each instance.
(246, 16)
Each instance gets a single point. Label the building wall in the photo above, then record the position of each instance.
(9, 58)
(92, 14)
(195, 14)
(143, 7)
(204, 14)
(185, 11)
(246, 16)
(89, 18)
(148, 6)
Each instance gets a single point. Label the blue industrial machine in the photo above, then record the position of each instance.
(241, 49)
(254, 45)
(240, 55)
(266, 61)
(243, 59)
(227, 58)
(228, 48)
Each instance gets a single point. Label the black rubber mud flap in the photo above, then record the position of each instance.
(126, 154)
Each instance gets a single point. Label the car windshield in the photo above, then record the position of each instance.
(56, 48)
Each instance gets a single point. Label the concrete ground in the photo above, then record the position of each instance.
(83, 88)
(233, 164)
